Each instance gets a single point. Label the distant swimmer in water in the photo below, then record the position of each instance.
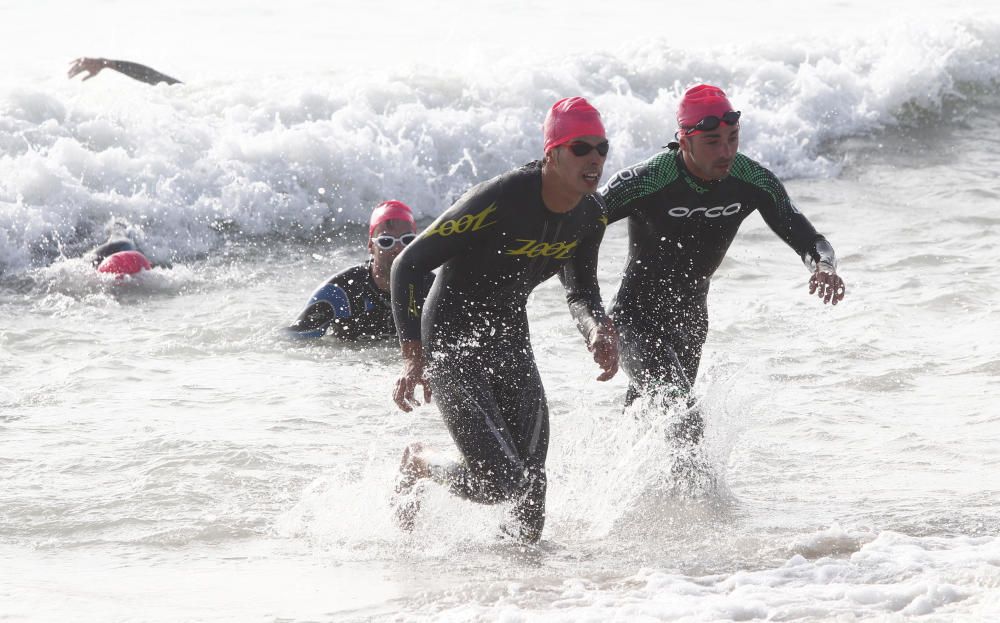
(124, 263)
(684, 207)
(119, 255)
(93, 66)
(354, 304)
(471, 344)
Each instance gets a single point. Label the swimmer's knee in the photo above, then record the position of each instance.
(504, 484)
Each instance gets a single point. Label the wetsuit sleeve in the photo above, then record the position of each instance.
(428, 283)
(822, 255)
(329, 303)
(579, 277)
(140, 72)
(455, 231)
(789, 224)
(109, 248)
(627, 189)
(345, 324)
(620, 192)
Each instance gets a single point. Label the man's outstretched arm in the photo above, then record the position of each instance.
(825, 282)
(93, 66)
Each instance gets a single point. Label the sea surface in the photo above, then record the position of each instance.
(167, 454)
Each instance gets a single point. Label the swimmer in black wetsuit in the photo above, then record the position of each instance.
(115, 244)
(354, 304)
(496, 244)
(93, 66)
(684, 206)
(122, 236)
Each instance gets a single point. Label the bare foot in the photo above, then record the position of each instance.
(406, 498)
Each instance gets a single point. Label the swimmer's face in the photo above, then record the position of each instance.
(394, 228)
(581, 173)
(709, 155)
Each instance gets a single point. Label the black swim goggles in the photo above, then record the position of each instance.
(712, 122)
(386, 242)
(580, 148)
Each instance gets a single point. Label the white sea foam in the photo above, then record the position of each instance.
(290, 156)
(946, 577)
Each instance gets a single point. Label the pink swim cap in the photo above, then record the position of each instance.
(389, 211)
(124, 263)
(699, 102)
(571, 118)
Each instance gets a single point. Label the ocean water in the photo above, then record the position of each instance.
(167, 455)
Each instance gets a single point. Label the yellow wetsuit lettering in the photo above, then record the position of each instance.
(412, 306)
(534, 248)
(463, 224)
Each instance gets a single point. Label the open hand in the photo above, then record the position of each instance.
(92, 66)
(603, 343)
(827, 285)
(413, 375)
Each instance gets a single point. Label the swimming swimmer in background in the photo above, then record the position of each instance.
(116, 243)
(120, 254)
(142, 73)
(354, 304)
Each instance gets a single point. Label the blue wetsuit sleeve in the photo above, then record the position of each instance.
(458, 229)
(327, 304)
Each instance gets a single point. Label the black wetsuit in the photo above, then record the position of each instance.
(115, 244)
(351, 306)
(140, 72)
(496, 244)
(679, 231)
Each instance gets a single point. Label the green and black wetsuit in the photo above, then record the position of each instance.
(495, 245)
(680, 229)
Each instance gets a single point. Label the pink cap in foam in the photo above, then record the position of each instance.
(124, 263)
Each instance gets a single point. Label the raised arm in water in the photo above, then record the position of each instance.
(93, 66)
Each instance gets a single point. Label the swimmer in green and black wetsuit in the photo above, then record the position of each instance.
(684, 207)
(495, 245)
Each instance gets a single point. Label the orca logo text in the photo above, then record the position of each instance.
(716, 212)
